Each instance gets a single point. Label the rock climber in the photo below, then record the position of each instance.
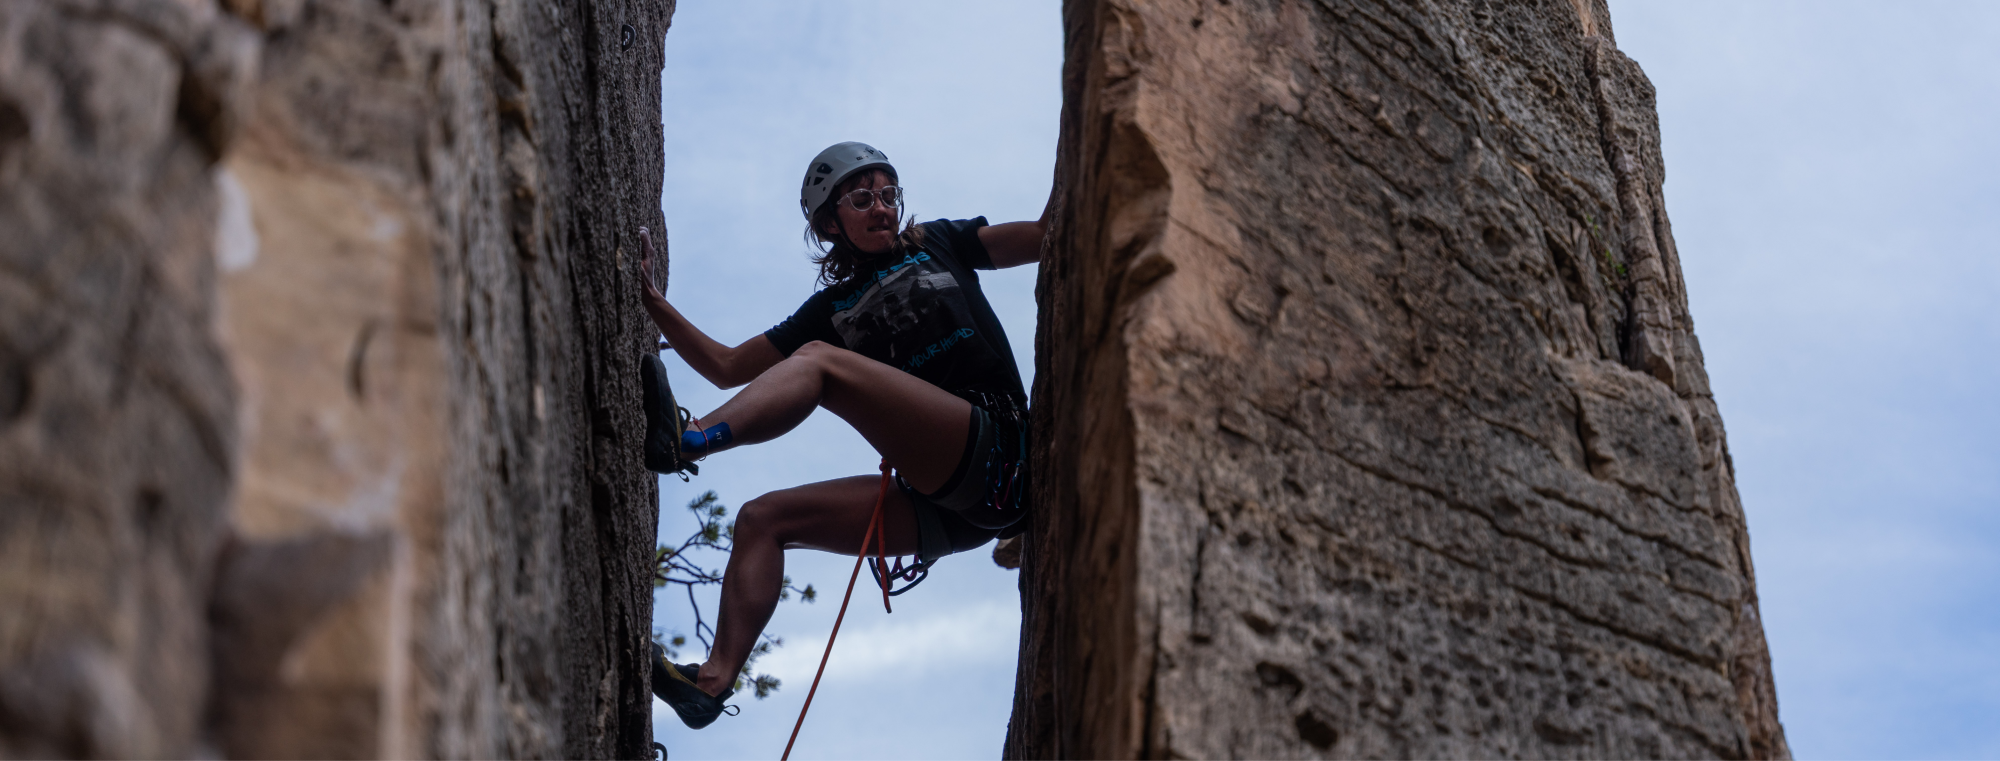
(902, 345)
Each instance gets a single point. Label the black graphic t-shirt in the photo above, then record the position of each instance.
(922, 313)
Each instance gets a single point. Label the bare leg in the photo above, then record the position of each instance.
(830, 516)
(918, 427)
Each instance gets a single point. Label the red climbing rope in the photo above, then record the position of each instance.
(874, 524)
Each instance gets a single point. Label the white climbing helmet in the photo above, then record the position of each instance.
(833, 165)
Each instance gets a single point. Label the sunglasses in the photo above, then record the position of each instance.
(864, 198)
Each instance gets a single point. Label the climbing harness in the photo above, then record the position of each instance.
(871, 538)
(915, 574)
(1004, 488)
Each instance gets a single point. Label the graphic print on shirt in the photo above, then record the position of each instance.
(911, 315)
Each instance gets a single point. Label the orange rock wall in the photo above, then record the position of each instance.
(1372, 421)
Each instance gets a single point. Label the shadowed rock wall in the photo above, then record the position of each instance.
(318, 401)
(1371, 418)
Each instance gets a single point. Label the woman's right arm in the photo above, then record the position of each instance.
(724, 366)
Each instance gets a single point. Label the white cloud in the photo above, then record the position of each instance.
(902, 648)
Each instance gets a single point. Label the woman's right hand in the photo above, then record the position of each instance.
(724, 366)
(646, 266)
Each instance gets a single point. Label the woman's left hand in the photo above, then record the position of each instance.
(1012, 244)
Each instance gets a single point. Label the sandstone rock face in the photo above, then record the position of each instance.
(1372, 421)
(117, 412)
(318, 362)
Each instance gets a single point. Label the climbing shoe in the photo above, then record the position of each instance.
(674, 683)
(665, 422)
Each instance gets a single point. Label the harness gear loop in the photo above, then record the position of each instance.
(874, 523)
(912, 575)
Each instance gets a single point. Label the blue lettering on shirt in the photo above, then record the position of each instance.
(917, 360)
(843, 305)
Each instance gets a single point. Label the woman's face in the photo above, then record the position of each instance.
(873, 230)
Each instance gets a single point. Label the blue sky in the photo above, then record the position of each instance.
(1831, 182)
(965, 102)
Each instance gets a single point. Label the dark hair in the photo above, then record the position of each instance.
(842, 261)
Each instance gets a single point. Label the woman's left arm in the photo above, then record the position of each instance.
(1015, 243)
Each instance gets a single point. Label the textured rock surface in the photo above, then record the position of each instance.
(117, 412)
(1373, 421)
(318, 404)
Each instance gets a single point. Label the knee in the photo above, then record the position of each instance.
(828, 359)
(758, 519)
(815, 352)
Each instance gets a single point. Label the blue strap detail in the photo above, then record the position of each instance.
(698, 443)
